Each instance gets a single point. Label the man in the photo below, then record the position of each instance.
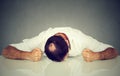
(58, 44)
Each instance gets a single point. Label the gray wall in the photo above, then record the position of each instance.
(20, 19)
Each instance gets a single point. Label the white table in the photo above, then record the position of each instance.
(71, 67)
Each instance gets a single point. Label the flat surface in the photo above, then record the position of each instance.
(71, 67)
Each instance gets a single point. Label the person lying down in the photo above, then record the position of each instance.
(59, 43)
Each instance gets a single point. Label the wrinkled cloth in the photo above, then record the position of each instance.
(78, 41)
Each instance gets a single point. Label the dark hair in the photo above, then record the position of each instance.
(61, 48)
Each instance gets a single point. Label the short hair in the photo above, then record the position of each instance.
(61, 48)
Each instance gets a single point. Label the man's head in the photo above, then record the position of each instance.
(56, 48)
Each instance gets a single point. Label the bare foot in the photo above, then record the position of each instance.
(36, 54)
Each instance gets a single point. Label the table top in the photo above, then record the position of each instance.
(75, 66)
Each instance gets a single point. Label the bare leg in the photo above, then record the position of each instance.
(13, 53)
(108, 53)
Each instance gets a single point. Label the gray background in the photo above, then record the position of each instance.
(20, 19)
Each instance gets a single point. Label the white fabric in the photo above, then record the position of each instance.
(78, 41)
